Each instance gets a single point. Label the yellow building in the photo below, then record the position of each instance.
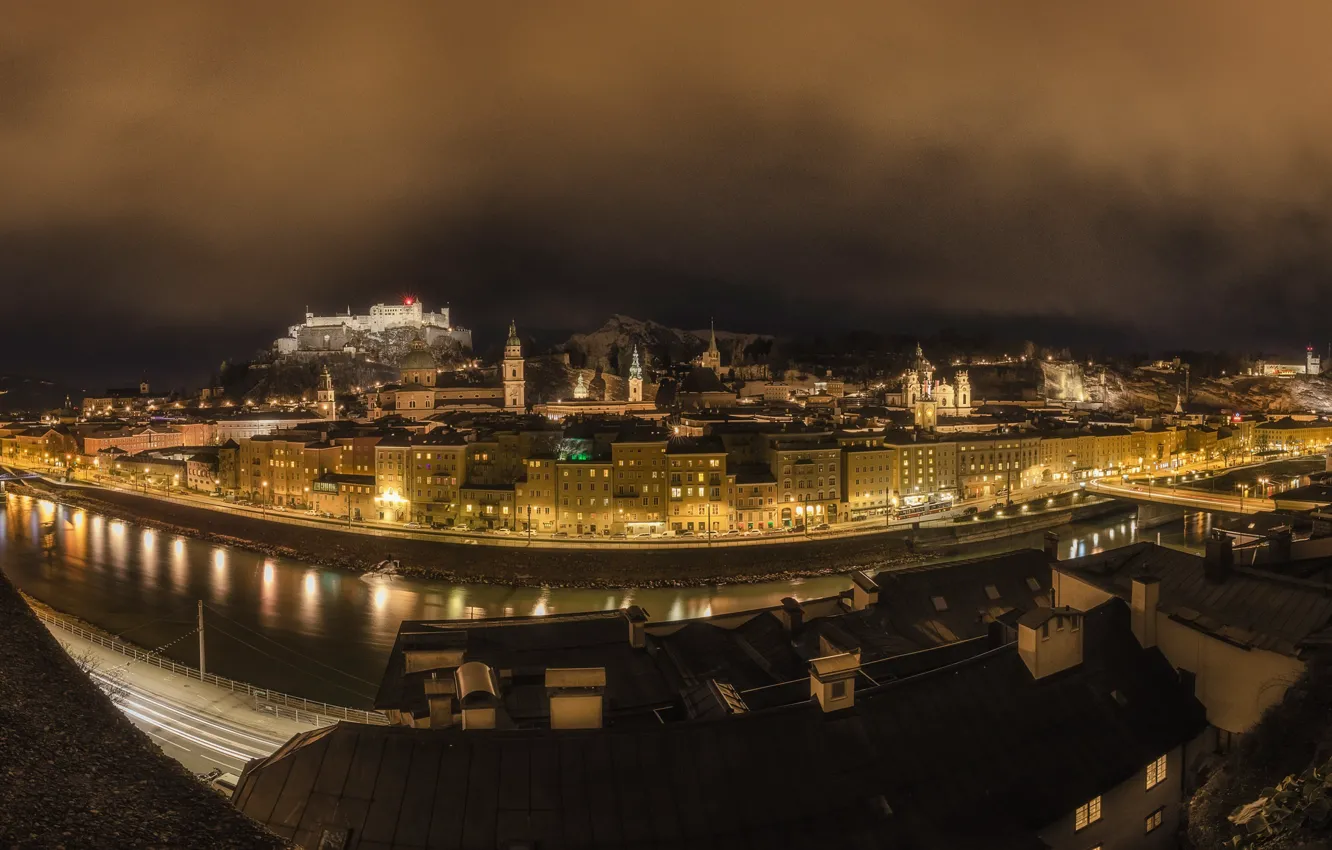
(439, 470)
(487, 506)
(993, 465)
(808, 473)
(638, 481)
(535, 497)
(393, 475)
(752, 493)
(697, 485)
(869, 480)
(584, 495)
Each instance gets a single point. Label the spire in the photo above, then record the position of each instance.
(712, 342)
(635, 368)
(1179, 407)
(513, 333)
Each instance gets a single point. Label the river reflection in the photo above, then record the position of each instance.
(325, 633)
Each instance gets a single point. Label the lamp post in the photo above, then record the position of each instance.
(529, 523)
(263, 500)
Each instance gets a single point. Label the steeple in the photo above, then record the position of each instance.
(325, 397)
(635, 378)
(515, 388)
(712, 342)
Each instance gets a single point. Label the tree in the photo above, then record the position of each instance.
(110, 679)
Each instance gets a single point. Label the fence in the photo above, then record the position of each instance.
(282, 705)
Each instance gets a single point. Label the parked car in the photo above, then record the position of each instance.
(823, 526)
(413, 525)
(503, 530)
(560, 534)
(969, 511)
(753, 531)
(684, 532)
(619, 535)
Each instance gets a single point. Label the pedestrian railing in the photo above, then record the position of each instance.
(280, 704)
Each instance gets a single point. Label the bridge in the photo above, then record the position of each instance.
(10, 474)
(1182, 497)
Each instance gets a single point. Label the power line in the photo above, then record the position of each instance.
(288, 663)
(293, 651)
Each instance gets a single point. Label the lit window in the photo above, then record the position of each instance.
(1156, 773)
(1155, 818)
(1087, 814)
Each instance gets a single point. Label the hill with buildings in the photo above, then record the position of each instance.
(610, 346)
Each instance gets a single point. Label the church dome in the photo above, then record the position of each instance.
(418, 357)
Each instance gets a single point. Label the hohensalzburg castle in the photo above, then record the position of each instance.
(337, 332)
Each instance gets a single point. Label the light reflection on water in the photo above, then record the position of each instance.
(121, 577)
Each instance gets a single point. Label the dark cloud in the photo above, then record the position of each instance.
(198, 174)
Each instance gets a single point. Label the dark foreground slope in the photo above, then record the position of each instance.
(74, 772)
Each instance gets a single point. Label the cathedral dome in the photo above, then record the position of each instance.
(418, 357)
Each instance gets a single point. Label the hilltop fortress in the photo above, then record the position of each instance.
(344, 331)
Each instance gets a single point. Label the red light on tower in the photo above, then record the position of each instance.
(408, 300)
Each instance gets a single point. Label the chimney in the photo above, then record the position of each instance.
(1146, 597)
(1050, 640)
(832, 680)
(794, 614)
(638, 619)
(1219, 559)
(576, 696)
(1279, 547)
(864, 591)
(439, 696)
(478, 694)
(1052, 545)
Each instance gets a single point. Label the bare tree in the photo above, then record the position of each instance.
(110, 679)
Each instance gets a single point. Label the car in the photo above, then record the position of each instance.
(644, 534)
(560, 534)
(823, 526)
(684, 532)
(223, 782)
(753, 531)
(619, 535)
(469, 541)
(733, 531)
(412, 525)
(969, 511)
(504, 531)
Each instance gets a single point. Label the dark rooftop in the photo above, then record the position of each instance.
(1251, 607)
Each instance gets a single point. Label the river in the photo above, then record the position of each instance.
(324, 633)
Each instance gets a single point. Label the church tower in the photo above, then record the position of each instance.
(515, 394)
(635, 378)
(711, 359)
(326, 398)
(963, 389)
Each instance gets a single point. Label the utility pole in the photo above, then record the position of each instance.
(203, 665)
(529, 523)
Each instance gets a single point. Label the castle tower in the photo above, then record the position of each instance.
(580, 388)
(963, 389)
(326, 398)
(515, 392)
(635, 378)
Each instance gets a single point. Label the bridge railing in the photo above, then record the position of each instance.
(280, 704)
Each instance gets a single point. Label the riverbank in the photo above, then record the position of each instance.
(574, 568)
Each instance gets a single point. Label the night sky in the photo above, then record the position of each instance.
(178, 181)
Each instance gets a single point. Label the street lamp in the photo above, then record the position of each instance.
(263, 500)
(529, 524)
